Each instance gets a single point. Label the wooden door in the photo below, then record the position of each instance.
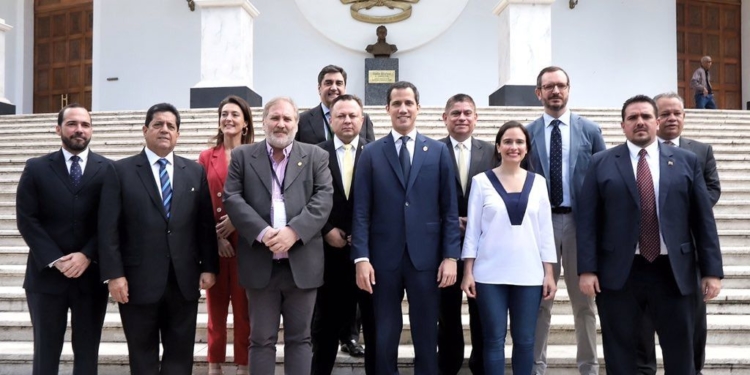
(63, 34)
(710, 27)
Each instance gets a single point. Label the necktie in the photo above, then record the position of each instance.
(670, 143)
(463, 173)
(648, 240)
(347, 162)
(403, 157)
(555, 165)
(166, 187)
(328, 131)
(75, 171)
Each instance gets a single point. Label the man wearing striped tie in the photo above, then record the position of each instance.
(157, 246)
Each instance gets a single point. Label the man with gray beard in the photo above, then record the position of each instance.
(278, 194)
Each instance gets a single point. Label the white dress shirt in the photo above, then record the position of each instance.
(153, 160)
(653, 165)
(409, 145)
(565, 136)
(675, 140)
(504, 253)
(467, 152)
(84, 155)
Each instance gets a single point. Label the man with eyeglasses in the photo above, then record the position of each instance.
(671, 120)
(562, 144)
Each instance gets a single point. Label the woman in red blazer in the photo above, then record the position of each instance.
(235, 128)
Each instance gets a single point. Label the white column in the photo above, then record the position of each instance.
(226, 43)
(525, 40)
(3, 28)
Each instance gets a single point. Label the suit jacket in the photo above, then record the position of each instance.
(56, 219)
(608, 224)
(393, 215)
(138, 241)
(699, 80)
(706, 160)
(310, 129)
(482, 159)
(307, 199)
(215, 163)
(341, 211)
(585, 141)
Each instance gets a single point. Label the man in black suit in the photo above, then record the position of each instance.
(470, 156)
(646, 231)
(56, 207)
(671, 118)
(315, 123)
(338, 297)
(158, 246)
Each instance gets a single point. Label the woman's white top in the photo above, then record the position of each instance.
(506, 253)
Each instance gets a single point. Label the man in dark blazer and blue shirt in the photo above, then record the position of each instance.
(646, 231)
(158, 246)
(405, 233)
(315, 123)
(56, 211)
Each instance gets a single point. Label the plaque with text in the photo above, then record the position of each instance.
(381, 76)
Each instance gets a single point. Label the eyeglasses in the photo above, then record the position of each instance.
(551, 87)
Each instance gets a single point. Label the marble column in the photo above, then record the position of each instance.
(525, 49)
(226, 53)
(6, 108)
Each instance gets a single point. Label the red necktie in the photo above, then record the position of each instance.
(649, 242)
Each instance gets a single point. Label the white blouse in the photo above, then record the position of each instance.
(505, 253)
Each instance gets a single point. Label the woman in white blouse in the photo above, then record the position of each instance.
(508, 251)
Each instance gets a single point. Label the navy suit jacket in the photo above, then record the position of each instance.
(608, 222)
(705, 154)
(310, 129)
(585, 140)
(392, 215)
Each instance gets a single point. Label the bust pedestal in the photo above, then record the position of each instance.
(380, 74)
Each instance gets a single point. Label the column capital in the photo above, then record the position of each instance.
(4, 26)
(500, 7)
(244, 4)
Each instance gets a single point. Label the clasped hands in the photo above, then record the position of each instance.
(73, 265)
(280, 240)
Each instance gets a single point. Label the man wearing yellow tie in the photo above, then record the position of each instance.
(339, 295)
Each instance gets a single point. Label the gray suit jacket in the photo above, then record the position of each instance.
(707, 162)
(585, 140)
(307, 197)
(310, 129)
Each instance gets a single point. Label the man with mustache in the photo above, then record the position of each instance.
(278, 195)
(562, 144)
(56, 211)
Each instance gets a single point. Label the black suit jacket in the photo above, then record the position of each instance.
(341, 213)
(482, 159)
(310, 129)
(139, 242)
(705, 154)
(56, 219)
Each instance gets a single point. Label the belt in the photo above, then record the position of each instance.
(561, 210)
(281, 261)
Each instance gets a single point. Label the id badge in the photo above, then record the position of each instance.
(279, 213)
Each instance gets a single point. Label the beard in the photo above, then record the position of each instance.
(75, 144)
(277, 141)
(556, 107)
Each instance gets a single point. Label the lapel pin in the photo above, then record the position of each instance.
(424, 148)
(299, 163)
(670, 163)
(192, 189)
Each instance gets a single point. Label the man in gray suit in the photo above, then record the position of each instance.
(278, 194)
(671, 119)
(562, 144)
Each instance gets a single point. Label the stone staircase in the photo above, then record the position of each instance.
(119, 134)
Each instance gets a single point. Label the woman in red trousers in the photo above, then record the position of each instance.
(235, 129)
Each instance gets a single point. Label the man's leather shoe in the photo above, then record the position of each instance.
(354, 349)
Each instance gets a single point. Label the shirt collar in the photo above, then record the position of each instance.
(564, 118)
(153, 158)
(84, 155)
(675, 140)
(325, 108)
(287, 150)
(338, 143)
(396, 135)
(652, 149)
(467, 143)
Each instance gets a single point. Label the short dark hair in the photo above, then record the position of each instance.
(550, 69)
(61, 114)
(330, 69)
(162, 107)
(459, 98)
(401, 85)
(511, 125)
(249, 136)
(639, 99)
(348, 97)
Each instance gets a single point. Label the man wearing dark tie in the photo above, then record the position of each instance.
(470, 156)
(315, 123)
(671, 119)
(338, 297)
(278, 195)
(562, 144)
(158, 246)
(405, 232)
(645, 233)
(56, 210)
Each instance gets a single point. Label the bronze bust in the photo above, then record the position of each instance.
(381, 49)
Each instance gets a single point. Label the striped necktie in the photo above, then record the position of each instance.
(166, 187)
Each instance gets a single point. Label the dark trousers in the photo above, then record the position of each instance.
(49, 318)
(336, 304)
(650, 290)
(424, 300)
(173, 319)
(451, 331)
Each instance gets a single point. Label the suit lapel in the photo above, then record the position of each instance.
(333, 163)
(262, 166)
(93, 166)
(58, 166)
(540, 145)
(180, 185)
(625, 166)
(362, 143)
(666, 170)
(392, 156)
(575, 142)
(449, 144)
(420, 152)
(477, 149)
(297, 161)
(218, 164)
(144, 172)
(317, 121)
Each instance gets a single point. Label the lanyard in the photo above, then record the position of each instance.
(278, 183)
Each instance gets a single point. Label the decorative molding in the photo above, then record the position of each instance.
(359, 5)
(245, 4)
(500, 7)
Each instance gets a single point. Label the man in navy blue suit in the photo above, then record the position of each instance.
(645, 231)
(405, 231)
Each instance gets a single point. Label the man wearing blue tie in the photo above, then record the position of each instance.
(405, 232)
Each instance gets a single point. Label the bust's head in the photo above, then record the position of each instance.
(381, 32)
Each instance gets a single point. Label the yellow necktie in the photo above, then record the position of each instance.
(463, 172)
(348, 165)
